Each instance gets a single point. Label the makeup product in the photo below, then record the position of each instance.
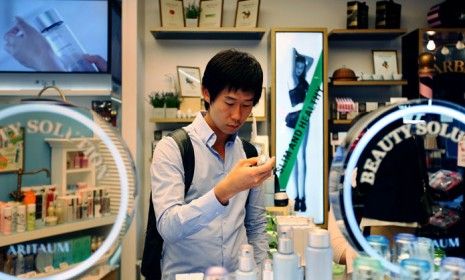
(285, 261)
(367, 268)
(246, 270)
(6, 217)
(404, 247)
(453, 268)
(106, 204)
(39, 205)
(380, 244)
(267, 271)
(318, 256)
(97, 205)
(59, 211)
(216, 273)
(413, 268)
(31, 217)
(19, 264)
(21, 221)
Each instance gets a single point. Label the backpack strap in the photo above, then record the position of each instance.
(153, 246)
(249, 149)
(187, 155)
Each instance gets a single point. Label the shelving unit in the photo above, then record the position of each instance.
(365, 34)
(62, 151)
(66, 92)
(189, 120)
(346, 88)
(200, 33)
(48, 231)
(369, 83)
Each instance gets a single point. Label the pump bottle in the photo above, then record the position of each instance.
(318, 256)
(246, 269)
(63, 42)
(285, 261)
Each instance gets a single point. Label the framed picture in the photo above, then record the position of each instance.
(211, 13)
(299, 113)
(11, 149)
(189, 81)
(247, 13)
(171, 13)
(385, 62)
(259, 110)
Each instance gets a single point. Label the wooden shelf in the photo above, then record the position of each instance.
(365, 34)
(189, 120)
(48, 231)
(200, 33)
(66, 92)
(341, 122)
(78, 170)
(370, 83)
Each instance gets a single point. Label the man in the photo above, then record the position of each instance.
(223, 208)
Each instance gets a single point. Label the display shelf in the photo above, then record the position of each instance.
(365, 34)
(78, 170)
(66, 92)
(48, 231)
(62, 150)
(200, 33)
(189, 120)
(369, 83)
(341, 122)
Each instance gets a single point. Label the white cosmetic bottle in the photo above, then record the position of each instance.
(318, 256)
(285, 261)
(267, 272)
(246, 269)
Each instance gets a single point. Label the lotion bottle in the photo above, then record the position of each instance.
(285, 261)
(318, 256)
(267, 272)
(246, 269)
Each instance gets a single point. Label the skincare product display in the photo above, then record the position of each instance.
(366, 268)
(246, 270)
(285, 261)
(318, 256)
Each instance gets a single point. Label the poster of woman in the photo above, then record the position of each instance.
(300, 146)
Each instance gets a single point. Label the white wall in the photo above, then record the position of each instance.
(162, 56)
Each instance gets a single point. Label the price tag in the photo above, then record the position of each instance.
(461, 153)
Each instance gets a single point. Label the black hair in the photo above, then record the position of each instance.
(233, 70)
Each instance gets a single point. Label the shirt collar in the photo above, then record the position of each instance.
(205, 132)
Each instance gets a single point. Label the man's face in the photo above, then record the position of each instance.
(229, 111)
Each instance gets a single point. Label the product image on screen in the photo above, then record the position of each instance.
(54, 36)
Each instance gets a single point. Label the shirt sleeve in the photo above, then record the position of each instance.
(175, 219)
(255, 223)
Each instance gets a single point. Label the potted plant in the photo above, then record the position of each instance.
(192, 15)
(157, 100)
(172, 102)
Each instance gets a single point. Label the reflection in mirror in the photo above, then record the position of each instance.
(396, 184)
(68, 191)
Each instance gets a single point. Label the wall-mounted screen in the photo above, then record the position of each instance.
(299, 129)
(54, 36)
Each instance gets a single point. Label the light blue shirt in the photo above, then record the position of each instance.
(198, 231)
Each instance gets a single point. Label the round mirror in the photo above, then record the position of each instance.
(67, 193)
(400, 173)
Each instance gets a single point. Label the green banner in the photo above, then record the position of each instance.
(303, 122)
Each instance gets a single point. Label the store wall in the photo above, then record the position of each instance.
(162, 56)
